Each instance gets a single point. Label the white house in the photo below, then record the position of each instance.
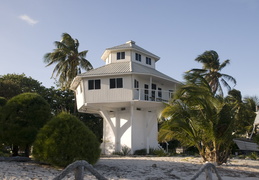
(129, 93)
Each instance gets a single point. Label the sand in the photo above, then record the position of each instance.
(129, 168)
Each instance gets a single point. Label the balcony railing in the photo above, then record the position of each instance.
(152, 95)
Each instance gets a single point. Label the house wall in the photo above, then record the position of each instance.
(105, 94)
(80, 95)
(144, 130)
(136, 129)
(130, 56)
(143, 59)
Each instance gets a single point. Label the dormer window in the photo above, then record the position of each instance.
(120, 55)
(148, 60)
(138, 57)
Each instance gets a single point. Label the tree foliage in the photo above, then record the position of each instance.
(22, 117)
(64, 140)
(211, 71)
(14, 84)
(197, 117)
(68, 60)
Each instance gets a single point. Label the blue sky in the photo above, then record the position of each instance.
(175, 30)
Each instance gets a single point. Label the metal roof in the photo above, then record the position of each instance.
(122, 68)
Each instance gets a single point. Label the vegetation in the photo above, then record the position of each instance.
(211, 71)
(14, 84)
(64, 140)
(198, 116)
(59, 100)
(67, 59)
(22, 117)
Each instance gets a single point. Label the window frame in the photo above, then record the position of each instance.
(148, 60)
(95, 84)
(116, 83)
(138, 57)
(120, 55)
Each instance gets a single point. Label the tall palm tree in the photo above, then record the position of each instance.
(67, 59)
(196, 117)
(211, 71)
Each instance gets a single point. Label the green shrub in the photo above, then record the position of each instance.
(125, 150)
(253, 156)
(65, 139)
(21, 118)
(159, 152)
(140, 152)
(2, 101)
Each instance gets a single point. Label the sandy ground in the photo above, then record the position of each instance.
(129, 168)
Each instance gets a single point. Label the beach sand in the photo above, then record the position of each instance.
(129, 168)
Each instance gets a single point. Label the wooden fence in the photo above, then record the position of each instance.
(79, 167)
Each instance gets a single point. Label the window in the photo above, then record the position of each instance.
(120, 55)
(171, 92)
(136, 84)
(146, 92)
(159, 93)
(138, 57)
(148, 60)
(153, 92)
(94, 84)
(116, 83)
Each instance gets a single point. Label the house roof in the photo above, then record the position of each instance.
(122, 68)
(130, 45)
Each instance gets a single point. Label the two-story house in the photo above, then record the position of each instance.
(129, 93)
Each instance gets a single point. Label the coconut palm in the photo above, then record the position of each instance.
(211, 71)
(244, 112)
(67, 59)
(196, 117)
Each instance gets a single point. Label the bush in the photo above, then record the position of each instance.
(21, 118)
(125, 150)
(140, 152)
(253, 156)
(2, 101)
(65, 139)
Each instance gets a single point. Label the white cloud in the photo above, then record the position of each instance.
(28, 19)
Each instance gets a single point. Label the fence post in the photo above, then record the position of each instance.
(208, 173)
(79, 173)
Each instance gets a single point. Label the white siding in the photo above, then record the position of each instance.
(80, 95)
(105, 94)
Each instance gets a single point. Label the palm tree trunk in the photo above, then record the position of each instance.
(15, 150)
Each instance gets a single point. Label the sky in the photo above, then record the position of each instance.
(175, 30)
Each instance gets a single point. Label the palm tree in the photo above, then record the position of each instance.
(67, 59)
(244, 112)
(196, 117)
(211, 71)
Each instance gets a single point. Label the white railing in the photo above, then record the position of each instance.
(151, 95)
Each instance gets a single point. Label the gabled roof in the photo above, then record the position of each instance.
(130, 45)
(122, 68)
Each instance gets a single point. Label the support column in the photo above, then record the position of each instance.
(117, 132)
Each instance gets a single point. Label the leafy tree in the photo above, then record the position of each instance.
(67, 59)
(197, 117)
(64, 100)
(14, 84)
(2, 101)
(22, 117)
(64, 140)
(211, 71)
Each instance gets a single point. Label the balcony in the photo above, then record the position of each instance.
(152, 95)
